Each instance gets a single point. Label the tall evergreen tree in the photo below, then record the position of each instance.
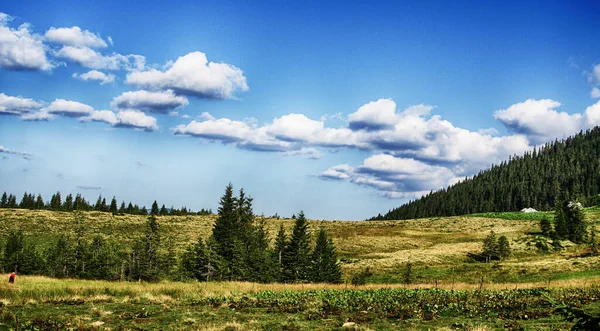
(113, 205)
(98, 205)
(154, 210)
(163, 211)
(224, 229)
(4, 200)
(122, 208)
(39, 202)
(325, 267)
(296, 258)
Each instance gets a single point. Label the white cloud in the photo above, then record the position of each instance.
(310, 152)
(136, 119)
(20, 49)
(129, 118)
(105, 116)
(24, 155)
(595, 93)
(110, 40)
(393, 177)
(154, 102)
(193, 75)
(68, 108)
(92, 59)
(38, 116)
(185, 116)
(74, 36)
(17, 105)
(540, 122)
(97, 76)
(374, 115)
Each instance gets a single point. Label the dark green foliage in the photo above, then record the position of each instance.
(546, 227)
(113, 205)
(325, 267)
(296, 257)
(12, 251)
(569, 222)
(56, 201)
(163, 211)
(503, 248)
(60, 259)
(4, 200)
(154, 210)
(535, 180)
(68, 204)
(495, 248)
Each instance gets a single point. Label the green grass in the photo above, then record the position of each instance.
(534, 216)
(44, 303)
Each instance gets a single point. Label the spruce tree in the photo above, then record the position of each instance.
(98, 205)
(503, 248)
(4, 200)
(223, 231)
(296, 261)
(113, 206)
(39, 203)
(122, 208)
(594, 249)
(324, 265)
(154, 210)
(546, 227)
(163, 211)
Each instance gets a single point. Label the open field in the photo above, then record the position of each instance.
(514, 290)
(99, 305)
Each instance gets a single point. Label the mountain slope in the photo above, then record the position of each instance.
(568, 168)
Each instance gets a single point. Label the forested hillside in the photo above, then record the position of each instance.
(566, 169)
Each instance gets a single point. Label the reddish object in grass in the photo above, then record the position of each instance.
(11, 278)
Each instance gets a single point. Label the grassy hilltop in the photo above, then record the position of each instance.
(513, 293)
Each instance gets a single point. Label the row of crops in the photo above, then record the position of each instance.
(424, 304)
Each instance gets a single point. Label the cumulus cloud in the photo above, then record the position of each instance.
(540, 122)
(20, 49)
(10, 105)
(68, 108)
(129, 118)
(74, 36)
(95, 75)
(38, 116)
(161, 102)
(89, 58)
(24, 155)
(136, 120)
(193, 75)
(595, 93)
(594, 76)
(393, 177)
(374, 115)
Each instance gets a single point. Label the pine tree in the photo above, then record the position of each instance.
(122, 208)
(39, 203)
(68, 205)
(224, 227)
(4, 201)
(103, 205)
(98, 205)
(490, 247)
(546, 227)
(324, 265)
(12, 251)
(296, 258)
(154, 210)
(113, 205)
(503, 248)
(56, 202)
(163, 211)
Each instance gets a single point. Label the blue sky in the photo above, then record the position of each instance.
(341, 109)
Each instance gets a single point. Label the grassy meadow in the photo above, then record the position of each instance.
(448, 290)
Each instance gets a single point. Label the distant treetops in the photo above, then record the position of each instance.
(30, 201)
